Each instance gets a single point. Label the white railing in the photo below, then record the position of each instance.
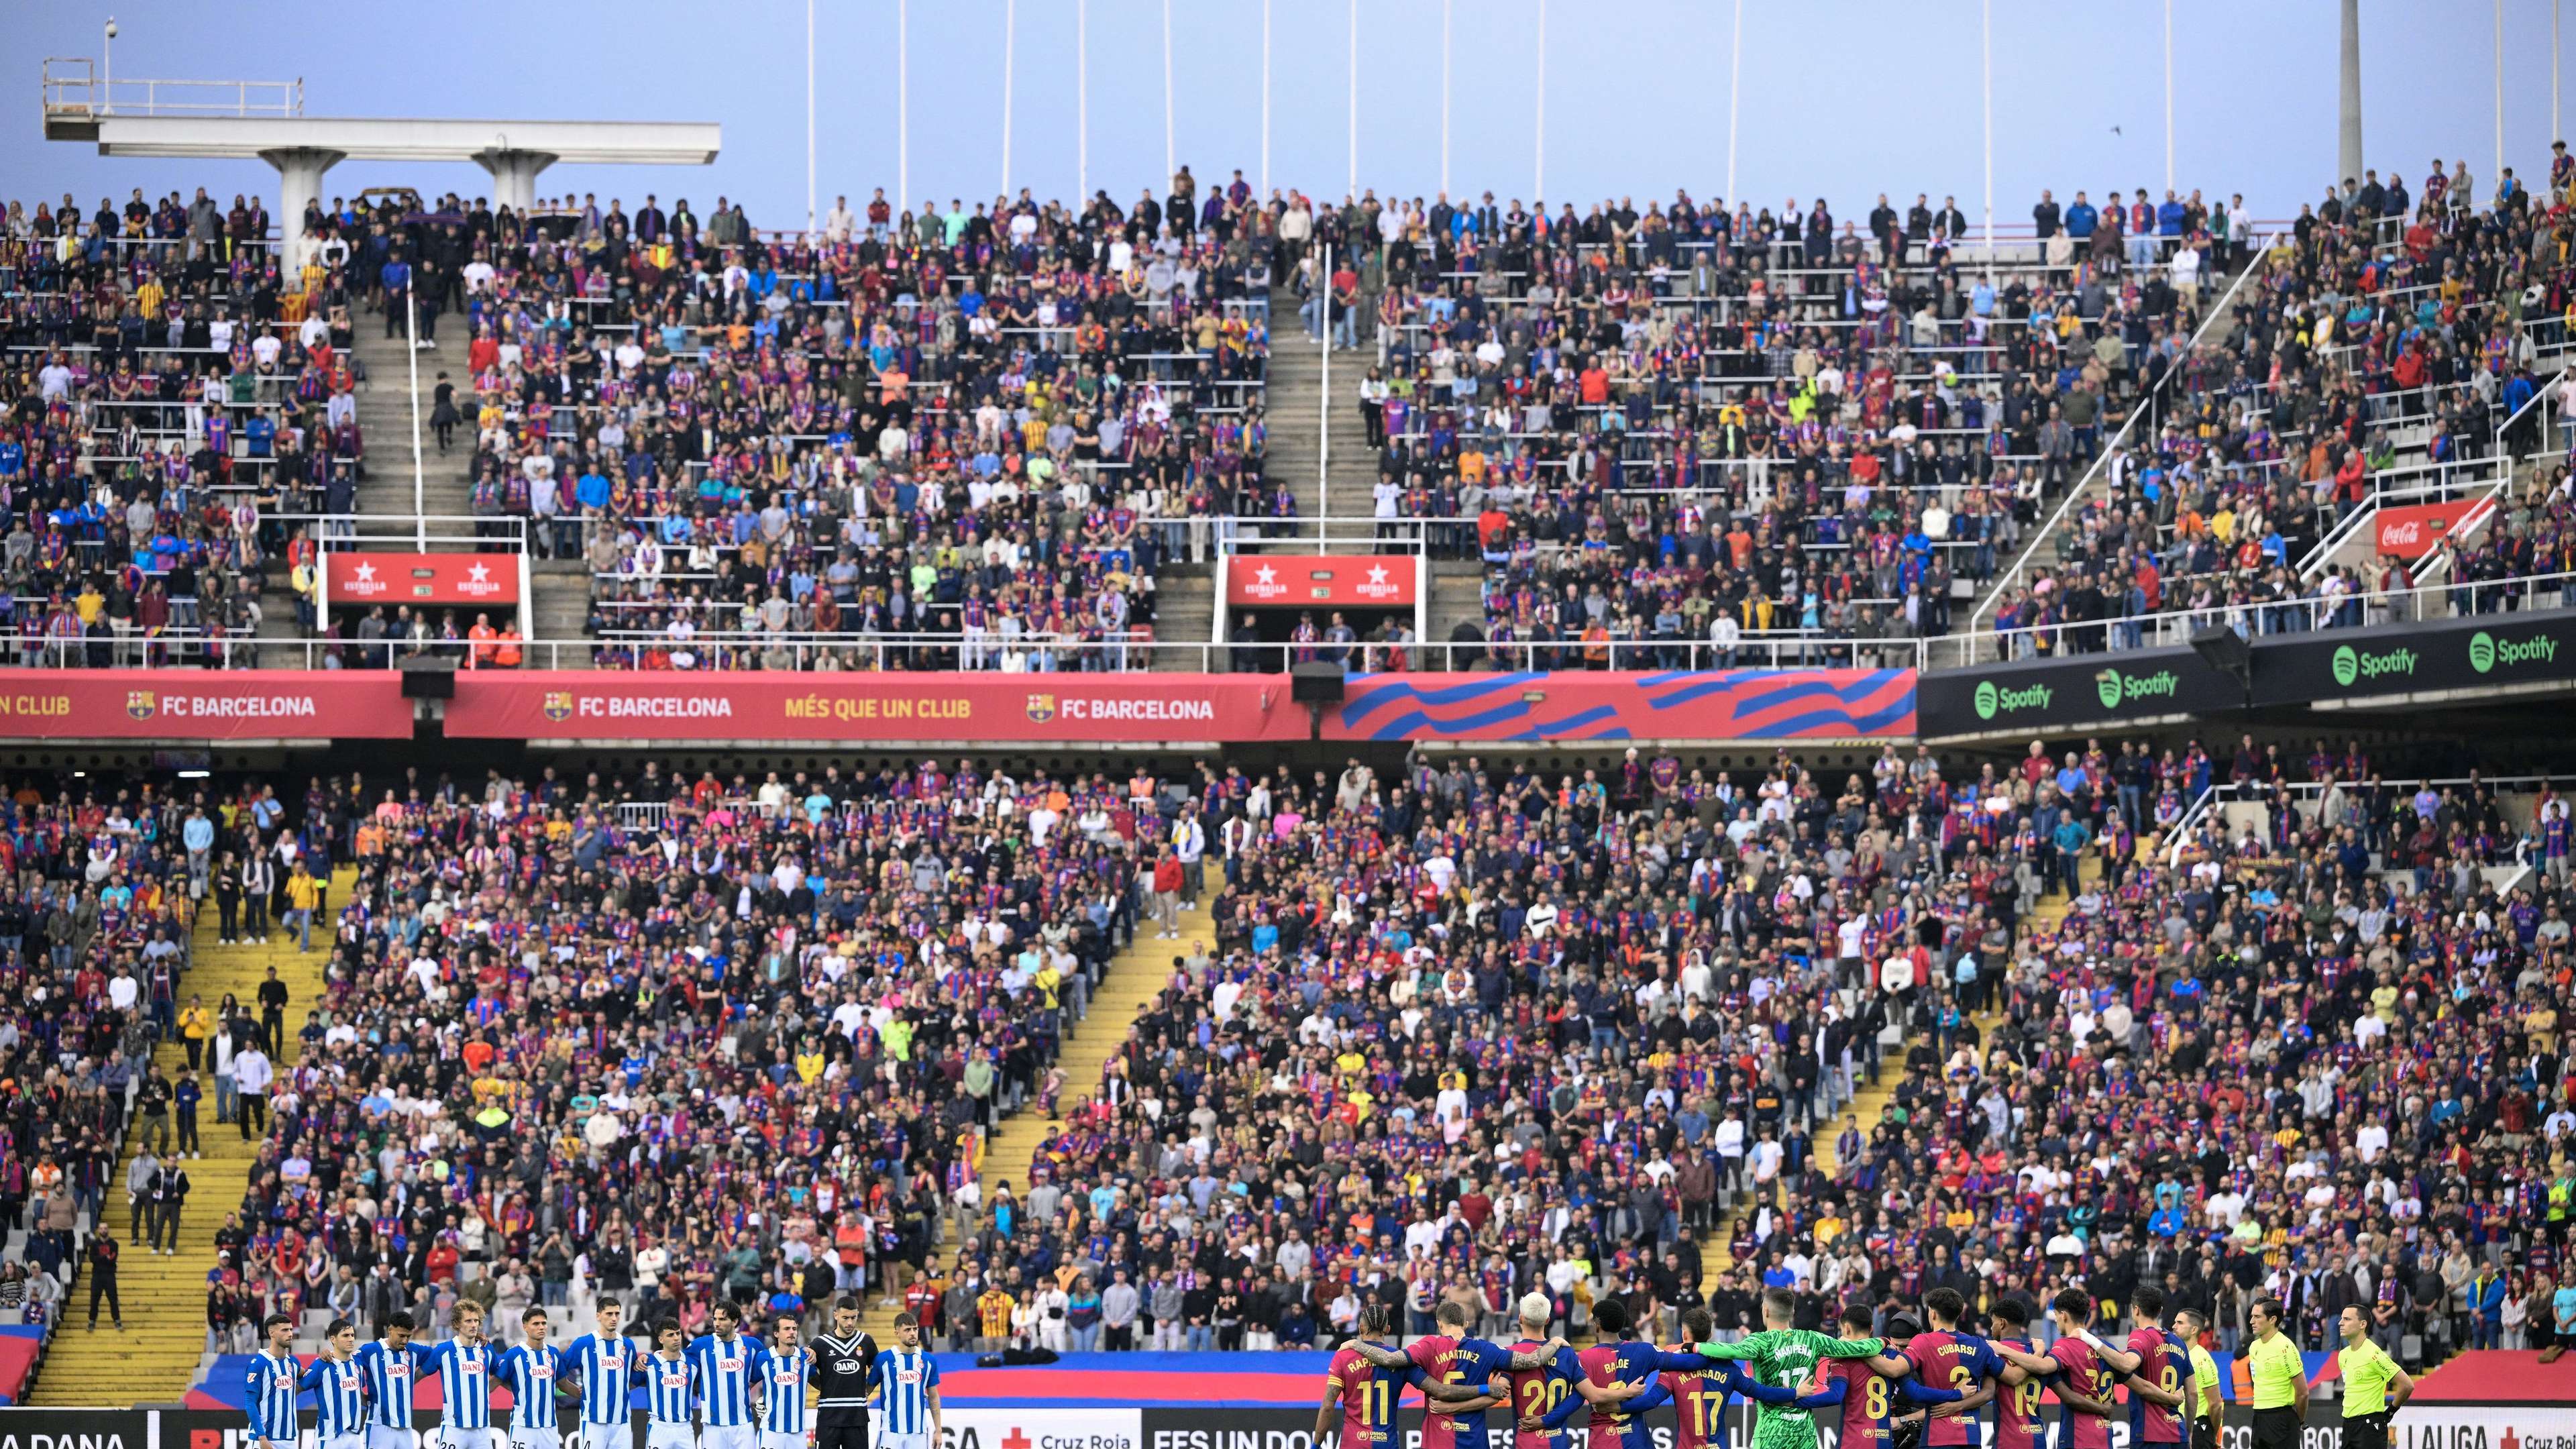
(2307, 795)
(2305, 614)
(2397, 487)
(73, 88)
(2139, 407)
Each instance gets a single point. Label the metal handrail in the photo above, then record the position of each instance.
(72, 88)
(2258, 259)
(2175, 627)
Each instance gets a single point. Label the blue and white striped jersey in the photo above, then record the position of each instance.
(666, 1387)
(904, 1381)
(724, 1378)
(531, 1373)
(391, 1372)
(466, 1374)
(782, 1388)
(608, 1366)
(339, 1396)
(271, 1402)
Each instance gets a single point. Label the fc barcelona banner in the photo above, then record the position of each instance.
(1178, 709)
(189, 704)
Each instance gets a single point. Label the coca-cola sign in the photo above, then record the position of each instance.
(2417, 529)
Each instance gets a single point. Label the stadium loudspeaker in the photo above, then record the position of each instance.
(1315, 684)
(2226, 651)
(429, 678)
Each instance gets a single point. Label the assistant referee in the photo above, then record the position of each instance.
(2280, 1380)
(2374, 1387)
(2202, 1411)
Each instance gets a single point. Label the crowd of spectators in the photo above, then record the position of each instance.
(2393, 349)
(574, 1029)
(1670, 433)
(1461, 1031)
(172, 399)
(100, 888)
(974, 432)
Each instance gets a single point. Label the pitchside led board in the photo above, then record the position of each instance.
(2485, 652)
(2418, 1426)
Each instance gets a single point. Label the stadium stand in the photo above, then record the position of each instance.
(2397, 359)
(1197, 1059)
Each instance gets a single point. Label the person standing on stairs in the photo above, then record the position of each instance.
(396, 276)
(251, 1075)
(273, 999)
(167, 1194)
(258, 878)
(185, 1095)
(138, 1192)
(102, 1280)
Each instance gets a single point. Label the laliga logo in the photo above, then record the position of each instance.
(1041, 708)
(558, 705)
(142, 703)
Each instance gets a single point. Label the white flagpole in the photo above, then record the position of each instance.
(1986, 64)
(1171, 135)
(1010, 46)
(1265, 98)
(809, 119)
(1082, 98)
(1538, 172)
(1355, 96)
(1444, 95)
(902, 106)
(1734, 98)
(2169, 97)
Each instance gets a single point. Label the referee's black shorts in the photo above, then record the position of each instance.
(839, 1431)
(2366, 1431)
(2204, 1432)
(2276, 1428)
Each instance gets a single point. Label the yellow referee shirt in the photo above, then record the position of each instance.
(2204, 1379)
(2367, 1372)
(2276, 1369)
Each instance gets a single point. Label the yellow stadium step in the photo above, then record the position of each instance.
(1133, 978)
(154, 1359)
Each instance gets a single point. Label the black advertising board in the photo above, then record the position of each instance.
(75, 1428)
(2084, 691)
(2485, 651)
(2072, 692)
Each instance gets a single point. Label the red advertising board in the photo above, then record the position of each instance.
(1348, 581)
(423, 578)
(2417, 529)
(1177, 709)
(950, 708)
(190, 704)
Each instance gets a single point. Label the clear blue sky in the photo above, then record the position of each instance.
(1846, 97)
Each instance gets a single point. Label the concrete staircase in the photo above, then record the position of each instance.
(384, 416)
(560, 609)
(1457, 595)
(1184, 615)
(1135, 976)
(1293, 401)
(155, 1359)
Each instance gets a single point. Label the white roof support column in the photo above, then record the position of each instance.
(302, 148)
(299, 186)
(514, 176)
